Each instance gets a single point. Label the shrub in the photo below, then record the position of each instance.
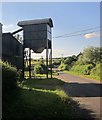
(96, 71)
(44, 68)
(38, 69)
(9, 76)
(63, 66)
(82, 69)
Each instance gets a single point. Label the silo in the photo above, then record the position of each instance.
(37, 36)
(37, 33)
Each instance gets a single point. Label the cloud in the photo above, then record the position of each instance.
(9, 28)
(91, 35)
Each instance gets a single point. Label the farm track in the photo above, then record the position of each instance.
(86, 91)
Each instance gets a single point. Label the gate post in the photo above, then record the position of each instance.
(51, 59)
(47, 60)
(23, 67)
(29, 62)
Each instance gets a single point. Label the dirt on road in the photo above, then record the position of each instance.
(86, 91)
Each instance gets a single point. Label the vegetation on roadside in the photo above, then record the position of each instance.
(88, 63)
(82, 69)
(37, 99)
(34, 98)
(10, 76)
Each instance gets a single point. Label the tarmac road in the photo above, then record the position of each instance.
(85, 91)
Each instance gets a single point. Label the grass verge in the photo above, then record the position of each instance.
(38, 99)
(84, 76)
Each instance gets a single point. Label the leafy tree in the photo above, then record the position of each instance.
(91, 55)
(69, 60)
(19, 38)
(83, 69)
(62, 60)
(96, 71)
(56, 62)
(63, 66)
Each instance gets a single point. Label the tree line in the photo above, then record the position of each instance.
(87, 63)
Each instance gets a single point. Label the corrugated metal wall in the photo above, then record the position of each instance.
(0, 40)
(37, 33)
(12, 50)
(36, 37)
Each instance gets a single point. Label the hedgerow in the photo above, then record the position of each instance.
(82, 69)
(10, 75)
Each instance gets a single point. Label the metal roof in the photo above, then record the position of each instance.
(37, 21)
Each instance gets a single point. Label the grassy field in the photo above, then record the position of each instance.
(38, 99)
(84, 76)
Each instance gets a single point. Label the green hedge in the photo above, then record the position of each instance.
(82, 69)
(10, 75)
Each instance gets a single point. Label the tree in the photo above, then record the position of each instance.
(91, 55)
(70, 60)
(63, 66)
(19, 38)
(56, 62)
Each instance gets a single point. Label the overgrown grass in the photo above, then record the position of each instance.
(49, 84)
(82, 69)
(87, 71)
(84, 76)
(38, 99)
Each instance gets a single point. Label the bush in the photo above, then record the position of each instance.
(96, 71)
(9, 76)
(82, 69)
(38, 69)
(56, 62)
(63, 66)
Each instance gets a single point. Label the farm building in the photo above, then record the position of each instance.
(0, 40)
(12, 50)
(37, 36)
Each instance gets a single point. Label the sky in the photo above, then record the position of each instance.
(68, 17)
